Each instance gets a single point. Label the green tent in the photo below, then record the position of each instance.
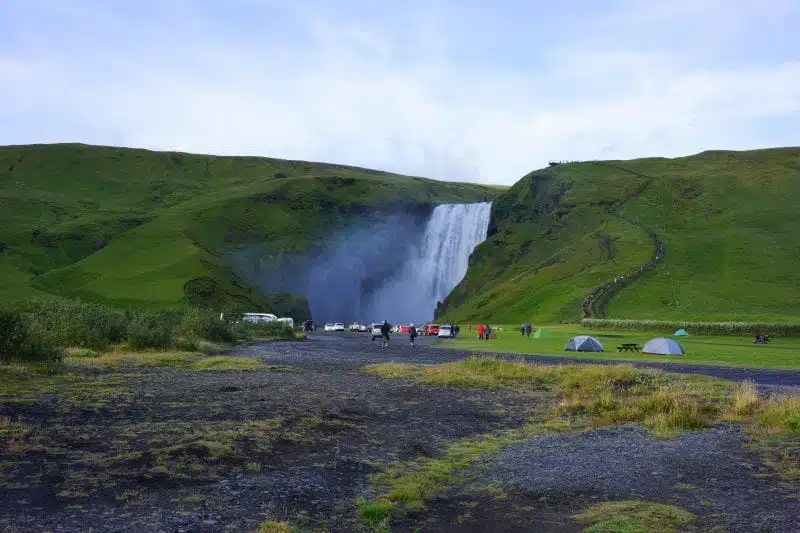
(541, 333)
(681, 333)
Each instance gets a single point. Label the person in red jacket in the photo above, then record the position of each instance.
(481, 331)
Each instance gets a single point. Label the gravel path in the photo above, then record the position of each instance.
(710, 473)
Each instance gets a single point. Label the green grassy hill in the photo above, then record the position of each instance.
(728, 221)
(143, 228)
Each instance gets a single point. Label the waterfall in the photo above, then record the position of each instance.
(435, 264)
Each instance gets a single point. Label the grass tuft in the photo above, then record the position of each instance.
(273, 526)
(745, 399)
(781, 416)
(228, 364)
(634, 516)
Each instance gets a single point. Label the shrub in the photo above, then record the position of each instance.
(151, 329)
(12, 335)
(205, 325)
(20, 340)
(79, 324)
(271, 330)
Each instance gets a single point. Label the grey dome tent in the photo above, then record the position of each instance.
(681, 333)
(583, 343)
(663, 347)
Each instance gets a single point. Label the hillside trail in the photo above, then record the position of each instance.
(595, 303)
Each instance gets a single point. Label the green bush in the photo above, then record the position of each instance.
(728, 329)
(271, 330)
(200, 324)
(20, 340)
(151, 329)
(78, 324)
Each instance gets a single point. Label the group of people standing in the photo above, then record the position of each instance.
(484, 332)
(525, 329)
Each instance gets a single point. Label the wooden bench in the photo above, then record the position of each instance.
(628, 347)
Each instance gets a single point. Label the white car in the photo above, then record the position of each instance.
(329, 327)
(363, 328)
(355, 326)
(338, 326)
(444, 331)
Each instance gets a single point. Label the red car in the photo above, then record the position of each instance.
(432, 329)
(405, 329)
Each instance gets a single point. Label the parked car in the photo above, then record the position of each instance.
(432, 329)
(338, 326)
(363, 328)
(376, 330)
(444, 331)
(329, 327)
(355, 326)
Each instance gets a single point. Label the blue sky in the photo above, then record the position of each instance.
(451, 89)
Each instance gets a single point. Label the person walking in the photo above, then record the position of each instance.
(385, 329)
(412, 333)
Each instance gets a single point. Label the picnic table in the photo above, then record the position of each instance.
(628, 347)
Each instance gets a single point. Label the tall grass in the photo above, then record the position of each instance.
(204, 324)
(21, 340)
(262, 330)
(151, 329)
(33, 330)
(78, 324)
(728, 329)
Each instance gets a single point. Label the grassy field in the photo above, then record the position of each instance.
(727, 220)
(721, 351)
(151, 229)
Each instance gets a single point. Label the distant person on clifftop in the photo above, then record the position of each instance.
(528, 327)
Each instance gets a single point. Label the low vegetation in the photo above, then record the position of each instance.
(733, 351)
(223, 363)
(47, 330)
(586, 396)
(634, 517)
(724, 329)
(273, 526)
(608, 393)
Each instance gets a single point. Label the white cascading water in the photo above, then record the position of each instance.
(436, 266)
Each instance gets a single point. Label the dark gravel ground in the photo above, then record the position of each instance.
(360, 423)
(710, 473)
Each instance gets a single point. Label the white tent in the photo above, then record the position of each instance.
(584, 343)
(664, 347)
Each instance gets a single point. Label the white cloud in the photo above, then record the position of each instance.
(403, 91)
